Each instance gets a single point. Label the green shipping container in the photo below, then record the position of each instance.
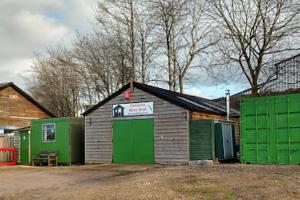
(270, 129)
(65, 136)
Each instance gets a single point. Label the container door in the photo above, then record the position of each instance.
(24, 148)
(227, 140)
(133, 141)
(270, 129)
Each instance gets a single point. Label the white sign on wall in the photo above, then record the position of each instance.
(133, 109)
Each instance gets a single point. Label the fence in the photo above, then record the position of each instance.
(6, 141)
(7, 152)
(8, 156)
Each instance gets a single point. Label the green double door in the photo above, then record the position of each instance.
(133, 141)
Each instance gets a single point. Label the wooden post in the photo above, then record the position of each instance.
(131, 85)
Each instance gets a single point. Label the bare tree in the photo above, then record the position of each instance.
(147, 46)
(55, 82)
(126, 44)
(254, 33)
(114, 14)
(186, 35)
(168, 14)
(194, 39)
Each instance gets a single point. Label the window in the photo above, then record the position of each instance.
(48, 132)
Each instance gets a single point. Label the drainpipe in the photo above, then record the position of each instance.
(227, 94)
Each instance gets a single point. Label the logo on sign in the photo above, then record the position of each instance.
(133, 109)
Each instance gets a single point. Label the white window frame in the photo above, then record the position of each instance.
(43, 138)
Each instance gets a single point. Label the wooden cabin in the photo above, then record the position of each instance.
(146, 124)
(17, 108)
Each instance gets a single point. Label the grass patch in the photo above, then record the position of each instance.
(206, 192)
(204, 187)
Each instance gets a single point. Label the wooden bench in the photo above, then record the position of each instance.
(49, 158)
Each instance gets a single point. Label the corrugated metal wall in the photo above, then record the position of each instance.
(171, 141)
(270, 129)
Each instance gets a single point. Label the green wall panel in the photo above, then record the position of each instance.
(133, 141)
(61, 145)
(202, 140)
(270, 129)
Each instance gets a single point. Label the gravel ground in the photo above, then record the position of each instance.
(225, 181)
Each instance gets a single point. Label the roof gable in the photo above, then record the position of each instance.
(189, 102)
(27, 96)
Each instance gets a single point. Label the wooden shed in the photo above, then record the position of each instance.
(17, 108)
(147, 124)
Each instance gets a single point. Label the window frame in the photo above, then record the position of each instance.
(43, 125)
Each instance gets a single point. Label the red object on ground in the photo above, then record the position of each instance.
(13, 160)
(127, 94)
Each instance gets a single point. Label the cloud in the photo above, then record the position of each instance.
(26, 32)
(28, 26)
(215, 91)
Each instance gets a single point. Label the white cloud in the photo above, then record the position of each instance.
(14, 70)
(28, 26)
(27, 32)
(215, 91)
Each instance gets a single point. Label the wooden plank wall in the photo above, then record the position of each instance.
(235, 120)
(171, 141)
(16, 111)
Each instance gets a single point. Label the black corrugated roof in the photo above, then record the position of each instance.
(189, 102)
(27, 96)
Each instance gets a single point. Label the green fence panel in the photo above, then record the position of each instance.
(202, 140)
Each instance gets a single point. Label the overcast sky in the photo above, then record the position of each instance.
(28, 26)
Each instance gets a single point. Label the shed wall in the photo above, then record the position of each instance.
(171, 141)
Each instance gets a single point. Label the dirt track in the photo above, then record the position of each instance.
(151, 182)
